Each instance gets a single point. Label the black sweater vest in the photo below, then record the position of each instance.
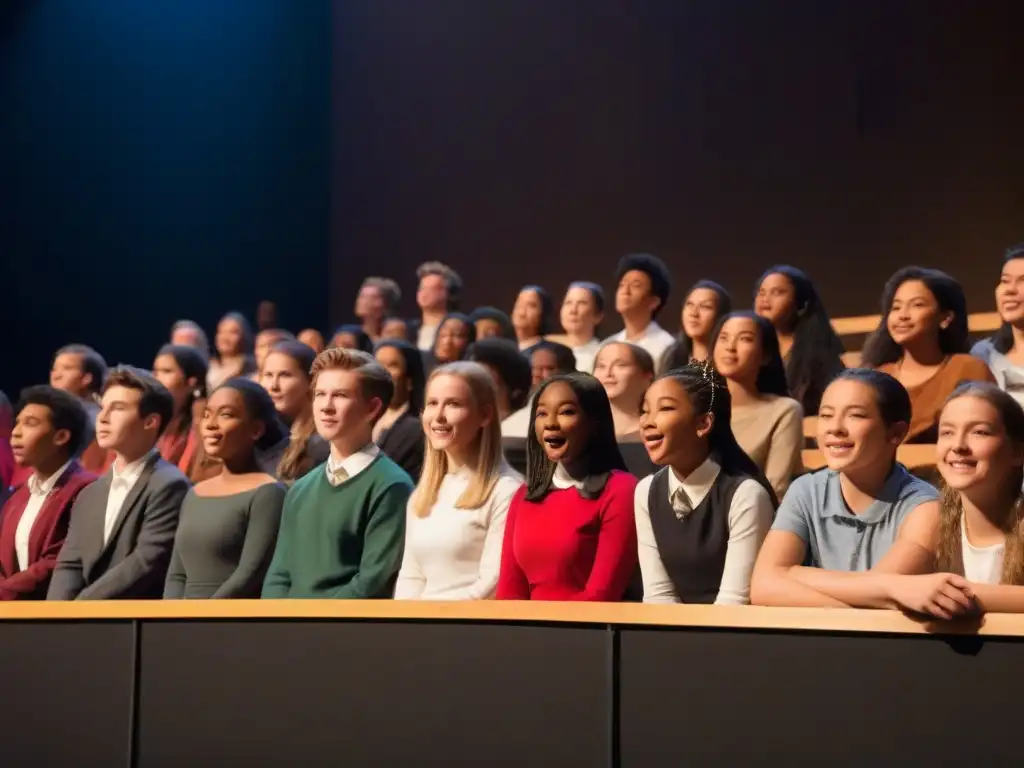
(693, 548)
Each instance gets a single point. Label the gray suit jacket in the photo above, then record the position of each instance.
(133, 563)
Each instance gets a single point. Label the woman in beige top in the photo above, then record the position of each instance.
(767, 423)
(922, 342)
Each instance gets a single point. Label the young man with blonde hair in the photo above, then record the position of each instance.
(343, 526)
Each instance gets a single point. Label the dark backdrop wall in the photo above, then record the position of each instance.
(159, 159)
(539, 140)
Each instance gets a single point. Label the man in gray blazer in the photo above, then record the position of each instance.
(122, 526)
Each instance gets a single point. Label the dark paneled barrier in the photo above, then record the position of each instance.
(722, 697)
(66, 693)
(325, 693)
(398, 683)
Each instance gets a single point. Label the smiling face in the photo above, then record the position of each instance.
(776, 300)
(1010, 292)
(452, 421)
(560, 424)
(287, 384)
(229, 432)
(914, 314)
(973, 449)
(673, 433)
(738, 353)
(579, 315)
(699, 313)
(852, 434)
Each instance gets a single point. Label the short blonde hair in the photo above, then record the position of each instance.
(491, 460)
(376, 382)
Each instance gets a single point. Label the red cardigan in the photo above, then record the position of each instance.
(47, 537)
(565, 547)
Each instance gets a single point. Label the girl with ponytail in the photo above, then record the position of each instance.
(701, 519)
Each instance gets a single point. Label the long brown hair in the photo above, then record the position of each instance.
(949, 556)
(295, 461)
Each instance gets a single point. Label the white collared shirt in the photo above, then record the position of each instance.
(38, 490)
(425, 337)
(453, 553)
(562, 479)
(351, 465)
(654, 339)
(121, 483)
(750, 517)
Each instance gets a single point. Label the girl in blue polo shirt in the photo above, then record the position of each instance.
(845, 518)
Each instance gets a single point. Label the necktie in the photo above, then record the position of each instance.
(680, 503)
(338, 476)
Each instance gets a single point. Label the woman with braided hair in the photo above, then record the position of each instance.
(701, 519)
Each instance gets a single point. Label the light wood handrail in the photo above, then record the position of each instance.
(979, 322)
(623, 614)
(810, 426)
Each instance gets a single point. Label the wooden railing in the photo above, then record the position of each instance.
(979, 322)
(910, 456)
(516, 612)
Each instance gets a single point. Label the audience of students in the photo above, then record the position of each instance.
(625, 370)
(1003, 352)
(188, 333)
(436, 296)
(767, 423)
(182, 370)
(706, 303)
(50, 430)
(701, 519)
(846, 517)
(532, 316)
(343, 526)
(454, 335)
(228, 524)
(286, 377)
(922, 342)
(123, 525)
(643, 285)
(351, 336)
(233, 350)
(671, 481)
(810, 348)
(399, 432)
(456, 518)
(377, 300)
(491, 321)
(581, 314)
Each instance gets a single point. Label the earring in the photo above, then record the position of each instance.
(196, 393)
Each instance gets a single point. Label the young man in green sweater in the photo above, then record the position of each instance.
(343, 525)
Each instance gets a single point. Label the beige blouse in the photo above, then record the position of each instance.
(771, 432)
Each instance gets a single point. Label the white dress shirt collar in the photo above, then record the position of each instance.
(562, 479)
(130, 473)
(42, 488)
(697, 485)
(353, 464)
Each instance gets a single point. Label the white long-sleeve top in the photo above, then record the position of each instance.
(750, 517)
(455, 554)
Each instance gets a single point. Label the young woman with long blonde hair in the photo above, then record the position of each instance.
(455, 522)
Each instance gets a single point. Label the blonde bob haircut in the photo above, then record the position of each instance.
(491, 460)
